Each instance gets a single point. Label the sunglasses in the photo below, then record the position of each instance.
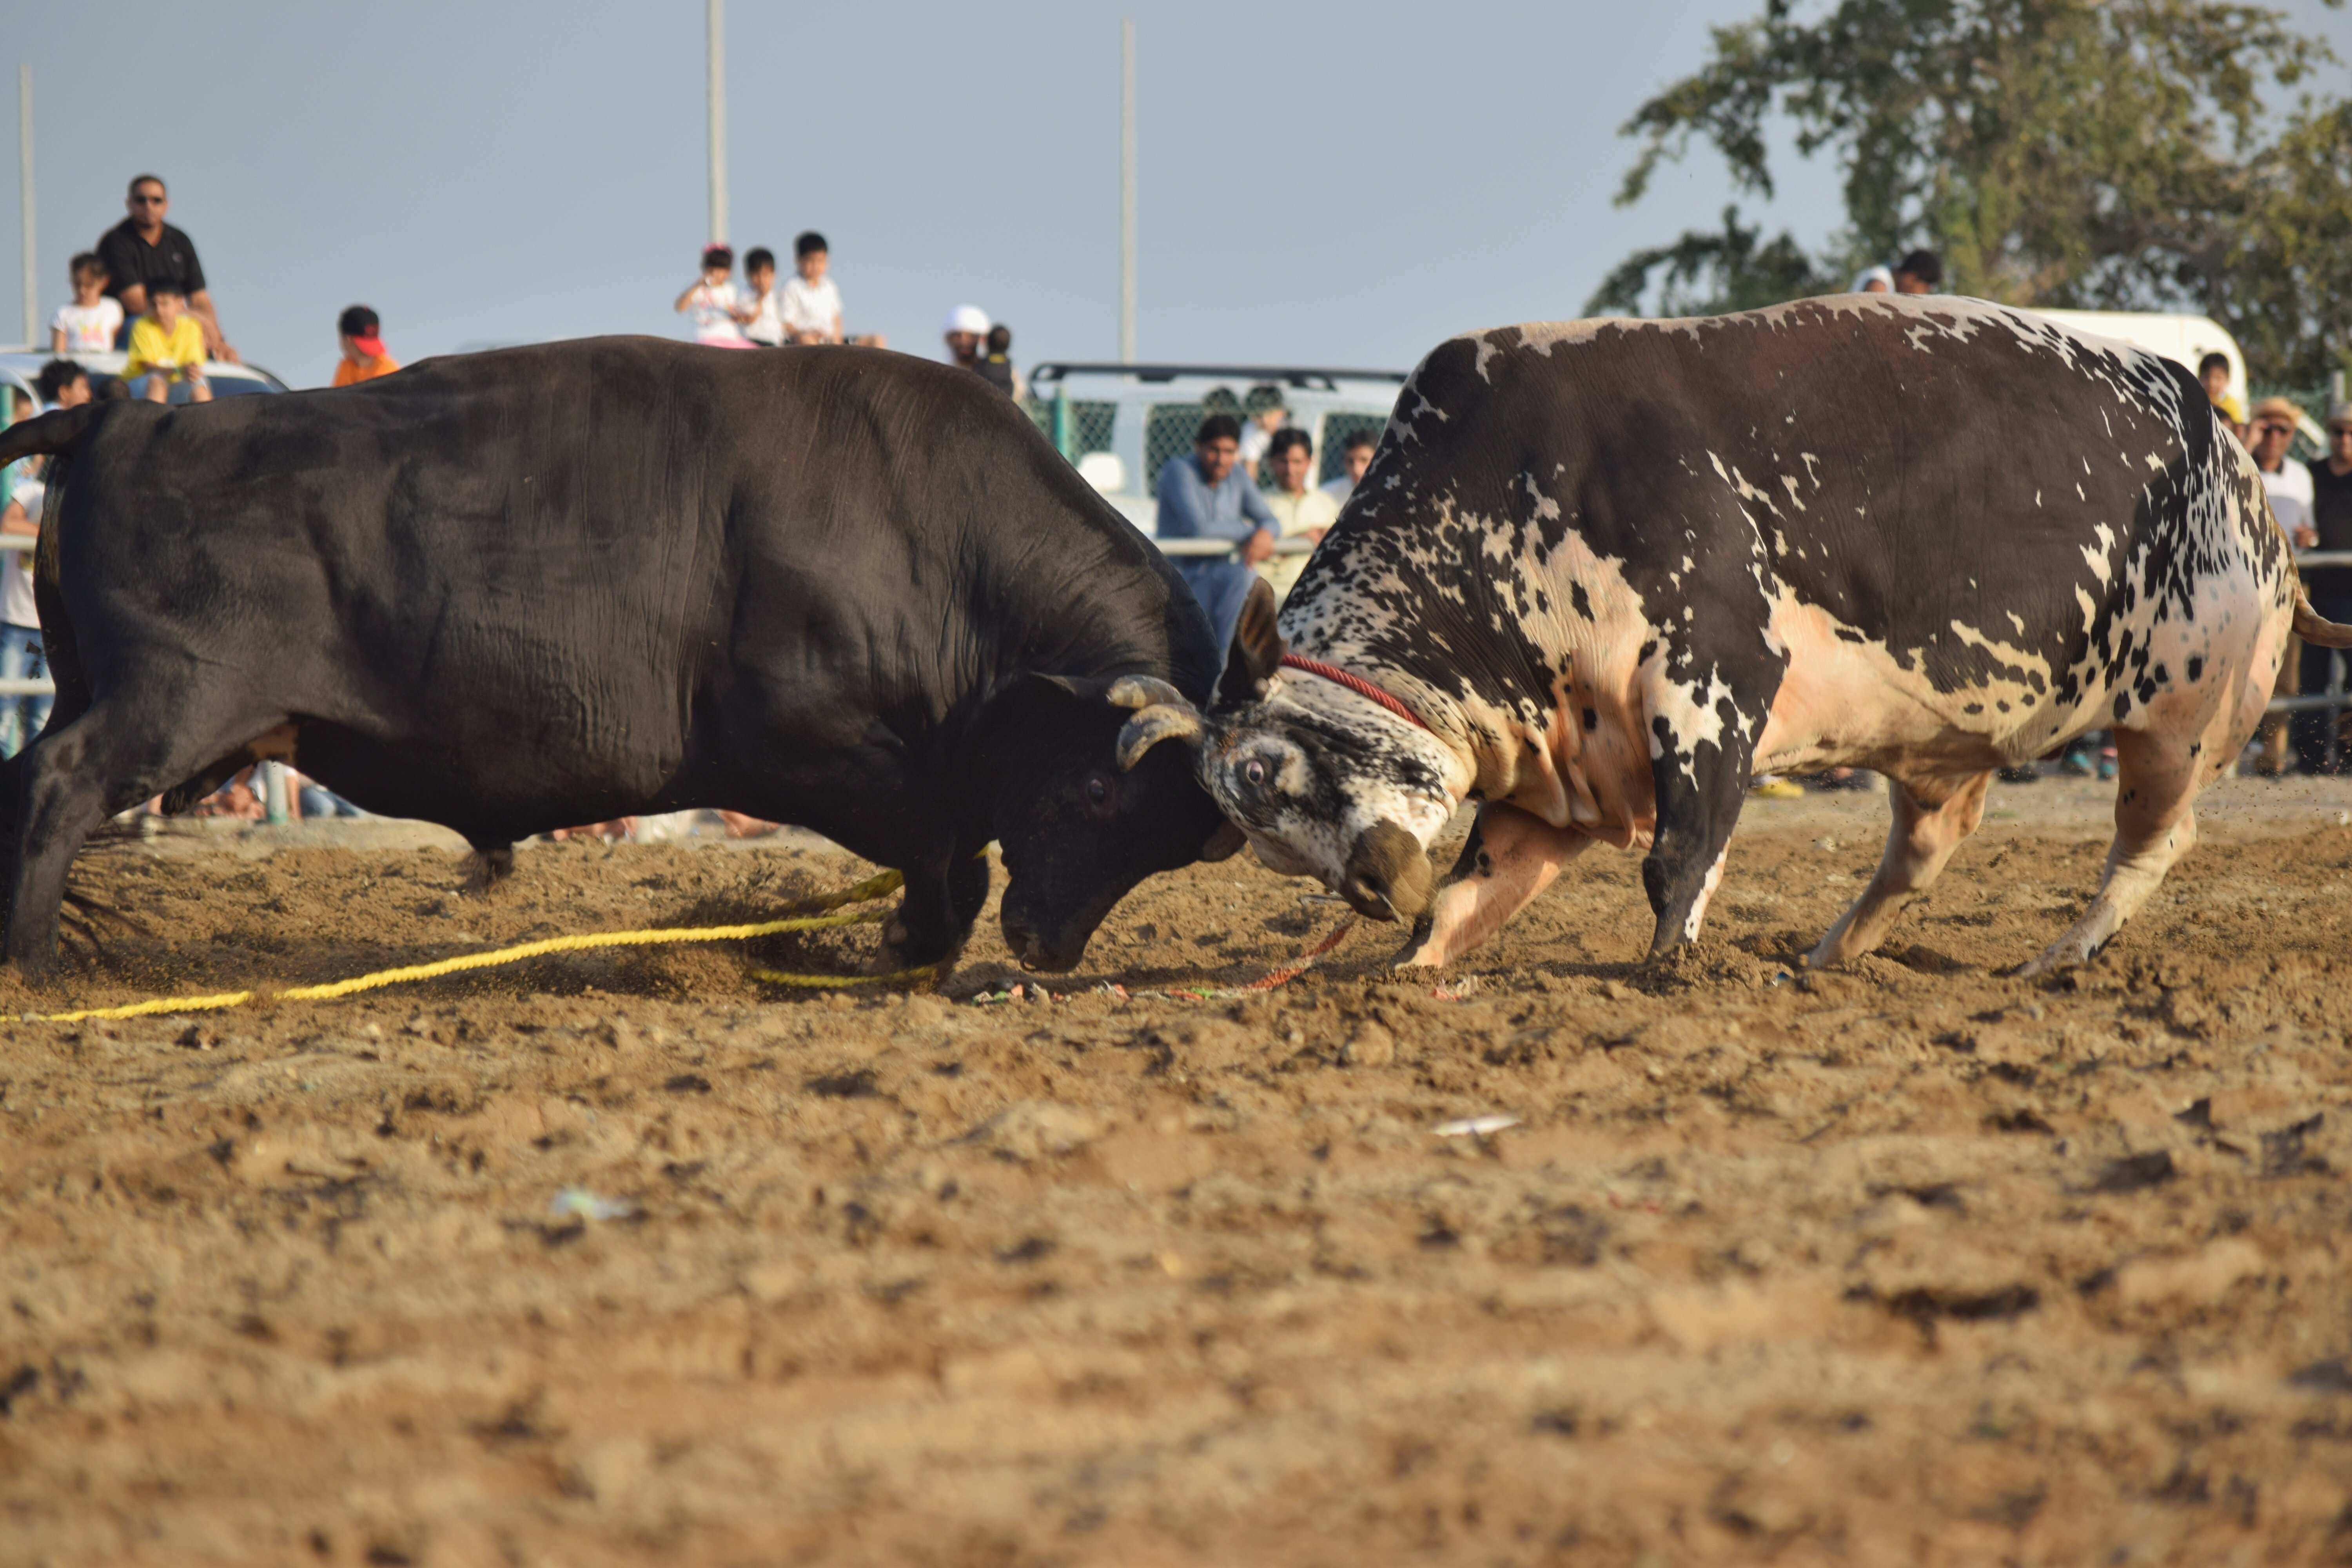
(2269, 428)
(150, 201)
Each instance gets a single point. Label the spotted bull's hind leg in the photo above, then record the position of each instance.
(1509, 858)
(1919, 843)
(2157, 780)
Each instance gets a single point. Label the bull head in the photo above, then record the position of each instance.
(1323, 783)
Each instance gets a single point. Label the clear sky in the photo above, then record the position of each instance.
(1326, 184)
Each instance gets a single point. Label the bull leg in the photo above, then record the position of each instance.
(2157, 780)
(492, 864)
(1509, 858)
(1919, 844)
(943, 896)
(1699, 794)
(69, 782)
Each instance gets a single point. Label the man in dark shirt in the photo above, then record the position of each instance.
(2330, 587)
(142, 248)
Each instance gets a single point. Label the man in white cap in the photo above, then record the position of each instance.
(967, 328)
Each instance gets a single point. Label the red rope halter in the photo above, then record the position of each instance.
(1354, 683)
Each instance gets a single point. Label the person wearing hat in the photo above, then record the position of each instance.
(363, 359)
(2269, 432)
(966, 329)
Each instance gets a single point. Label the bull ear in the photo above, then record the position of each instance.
(1257, 648)
(1225, 843)
(1163, 713)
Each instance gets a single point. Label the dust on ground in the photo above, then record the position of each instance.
(638, 1259)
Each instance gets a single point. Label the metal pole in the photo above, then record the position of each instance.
(718, 122)
(24, 153)
(1127, 191)
(274, 808)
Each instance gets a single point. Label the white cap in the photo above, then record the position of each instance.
(966, 318)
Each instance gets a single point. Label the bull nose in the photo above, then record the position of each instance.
(1368, 896)
(1387, 875)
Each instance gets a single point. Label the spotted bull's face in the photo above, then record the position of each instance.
(1349, 798)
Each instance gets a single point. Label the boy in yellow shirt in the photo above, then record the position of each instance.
(166, 345)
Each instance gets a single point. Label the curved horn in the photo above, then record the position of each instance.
(1160, 721)
(1145, 692)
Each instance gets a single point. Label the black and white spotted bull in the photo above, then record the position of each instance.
(1601, 573)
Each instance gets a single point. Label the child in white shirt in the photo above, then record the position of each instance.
(88, 325)
(811, 305)
(766, 327)
(717, 310)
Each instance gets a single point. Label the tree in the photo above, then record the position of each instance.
(2095, 153)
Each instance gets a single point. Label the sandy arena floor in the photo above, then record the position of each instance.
(1911, 1264)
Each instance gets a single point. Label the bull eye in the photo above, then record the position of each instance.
(1253, 770)
(1098, 789)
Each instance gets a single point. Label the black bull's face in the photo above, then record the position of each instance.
(1077, 832)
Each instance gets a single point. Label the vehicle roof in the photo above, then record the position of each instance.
(24, 364)
(1301, 379)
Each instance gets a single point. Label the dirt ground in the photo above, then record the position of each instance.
(640, 1260)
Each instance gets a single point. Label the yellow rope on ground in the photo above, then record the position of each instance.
(873, 887)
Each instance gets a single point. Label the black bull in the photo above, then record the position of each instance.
(511, 591)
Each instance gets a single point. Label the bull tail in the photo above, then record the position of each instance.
(59, 430)
(2312, 629)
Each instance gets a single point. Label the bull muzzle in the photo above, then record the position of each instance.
(1388, 875)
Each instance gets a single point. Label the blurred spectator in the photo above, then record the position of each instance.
(717, 310)
(1873, 280)
(1918, 273)
(2330, 591)
(2288, 484)
(1206, 496)
(766, 327)
(966, 329)
(360, 335)
(2213, 375)
(811, 301)
(1297, 504)
(995, 366)
(166, 347)
(61, 384)
(143, 250)
(1357, 453)
(1263, 406)
(88, 325)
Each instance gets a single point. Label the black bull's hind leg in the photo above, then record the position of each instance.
(1703, 736)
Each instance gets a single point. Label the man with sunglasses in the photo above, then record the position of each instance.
(142, 249)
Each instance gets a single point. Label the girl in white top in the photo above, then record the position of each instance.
(88, 325)
(717, 310)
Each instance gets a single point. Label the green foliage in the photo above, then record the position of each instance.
(2095, 153)
(1708, 274)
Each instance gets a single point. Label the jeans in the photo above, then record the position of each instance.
(1222, 587)
(21, 718)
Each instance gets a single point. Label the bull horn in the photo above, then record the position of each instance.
(1160, 721)
(1145, 692)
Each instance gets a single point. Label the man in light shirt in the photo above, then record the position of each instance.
(1207, 496)
(2271, 432)
(1302, 510)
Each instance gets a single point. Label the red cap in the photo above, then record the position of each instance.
(371, 345)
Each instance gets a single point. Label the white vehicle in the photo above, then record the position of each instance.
(1121, 422)
(2184, 340)
(19, 366)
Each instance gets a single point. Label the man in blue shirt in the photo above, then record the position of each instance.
(1206, 496)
